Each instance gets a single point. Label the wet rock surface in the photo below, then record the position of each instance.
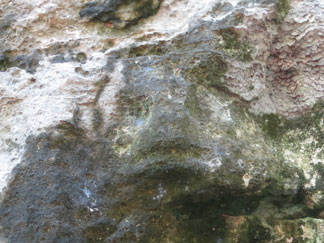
(201, 123)
(120, 13)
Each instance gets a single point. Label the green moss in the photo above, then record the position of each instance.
(233, 46)
(209, 72)
(98, 233)
(81, 57)
(147, 50)
(282, 10)
(177, 150)
(308, 125)
(69, 129)
(212, 213)
(257, 232)
(297, 143)
(272, 125)
(147, 8)
(68, 136)
(4, 63)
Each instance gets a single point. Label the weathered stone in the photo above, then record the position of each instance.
(27, 62)
(203, 123)
(6, 22)
(120, 13)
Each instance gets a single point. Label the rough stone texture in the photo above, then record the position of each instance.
(120, 13)
(161, 121)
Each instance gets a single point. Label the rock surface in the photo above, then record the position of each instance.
(120, 13)
(161, 121)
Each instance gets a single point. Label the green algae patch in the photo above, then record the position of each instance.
(181, 142)
(99, 232)
(282, 10)
(214, 213)
(148, 50)
(233, 46)
(272, 125)
(246, 229)
(169, 150)
(4, 63)
(298, 145)
(81, 57)
(68, 135)
(282, 129)
(209, 72)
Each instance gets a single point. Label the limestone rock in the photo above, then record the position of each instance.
(161, 121)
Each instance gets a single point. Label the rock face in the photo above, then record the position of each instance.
(161, 121)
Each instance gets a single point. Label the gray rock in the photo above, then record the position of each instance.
(202, 124)
(121, 13)
(27, 62)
